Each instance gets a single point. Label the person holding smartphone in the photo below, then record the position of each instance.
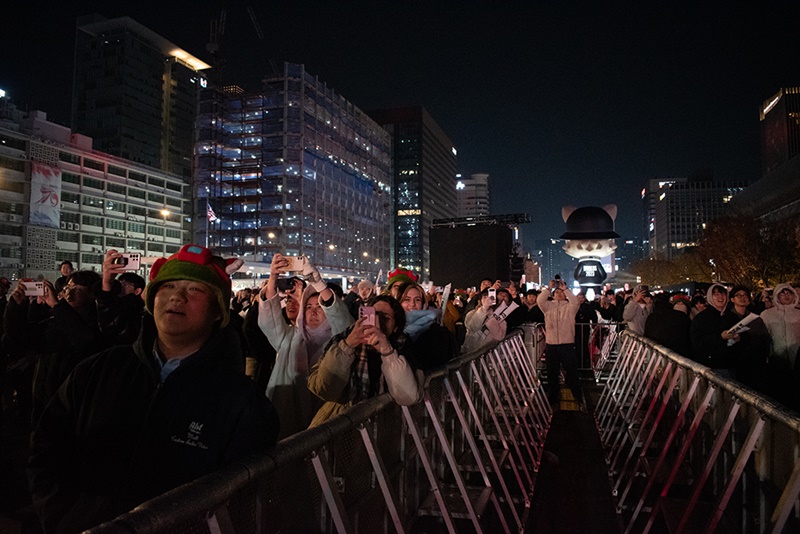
(366, 360)
(559, 321)
(482, 326)
(638, 308)
(320, 316)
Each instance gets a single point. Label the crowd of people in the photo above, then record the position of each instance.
(133, 388)
(753, 339)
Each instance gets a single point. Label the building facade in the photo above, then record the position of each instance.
(473, 195)
(650, 195)
(424, 182)
(780, 129)
(61, 200)
(293, 169)
(135, 93)
(684, 208)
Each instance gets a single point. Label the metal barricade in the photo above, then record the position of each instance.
(595, 343)
(463, 459)
(692, 451)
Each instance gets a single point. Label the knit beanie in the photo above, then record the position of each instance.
(196, 263)
(400, 275)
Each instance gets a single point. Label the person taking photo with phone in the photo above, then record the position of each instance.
(366, 360)
(559, 323)
(320, 316)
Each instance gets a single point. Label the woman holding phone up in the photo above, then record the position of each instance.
(366, 360)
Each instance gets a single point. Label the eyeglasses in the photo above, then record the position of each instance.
(741, 295)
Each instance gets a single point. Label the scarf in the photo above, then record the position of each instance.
(418, 321)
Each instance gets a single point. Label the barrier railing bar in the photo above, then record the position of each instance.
(627, 392)
(637, 440)
(635, 403)
(525, 394)
(332, 497)
(489, 451)
(687, 442)
(380, 473)
(220, 522)
(738, 468)
(490, 406)
(517, 410)
(664, 450)
(629, 364)
(451, 461)
(474, 448)
(701, 481)
(614, 377)
(787, 501)
(677, 373)
(428, 467)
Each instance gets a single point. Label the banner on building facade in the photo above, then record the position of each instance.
(45, 195)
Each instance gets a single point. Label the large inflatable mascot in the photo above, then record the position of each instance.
(589, 237)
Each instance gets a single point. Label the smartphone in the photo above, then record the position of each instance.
(493, 295)
(368, 312)
(131, 261)
(286, 284)
(33, 288)
(294, 263)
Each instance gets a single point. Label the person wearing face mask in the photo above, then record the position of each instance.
(320, 316)
(434, 345)
(367, 360)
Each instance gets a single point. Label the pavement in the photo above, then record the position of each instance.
(572, 493)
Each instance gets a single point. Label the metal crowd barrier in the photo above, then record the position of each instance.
(596, 344)
(463, 459)
(695, 452)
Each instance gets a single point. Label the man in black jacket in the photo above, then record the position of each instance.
(133, 422)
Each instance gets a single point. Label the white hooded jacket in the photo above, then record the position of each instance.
(783, 323)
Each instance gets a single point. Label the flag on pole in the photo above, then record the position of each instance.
(210, 213)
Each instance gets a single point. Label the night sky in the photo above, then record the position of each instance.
(561, 102)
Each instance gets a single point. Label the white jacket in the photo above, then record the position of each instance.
(783, 323)
(287, 387)
(482, 329)
(559, 318)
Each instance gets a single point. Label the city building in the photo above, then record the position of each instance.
(683, 209)
(135, 93)
(628, 252)
(780, 129)
(650, 194)
(473, 195)
(293, 169)
(424, 182)
(61, 200)
(776, 196)
(552, 260)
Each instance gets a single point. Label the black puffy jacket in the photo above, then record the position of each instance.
(115, 436)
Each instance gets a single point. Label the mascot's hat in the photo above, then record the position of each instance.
(589, 222)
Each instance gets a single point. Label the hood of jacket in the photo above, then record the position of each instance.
(778, 289)
(710, 293)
